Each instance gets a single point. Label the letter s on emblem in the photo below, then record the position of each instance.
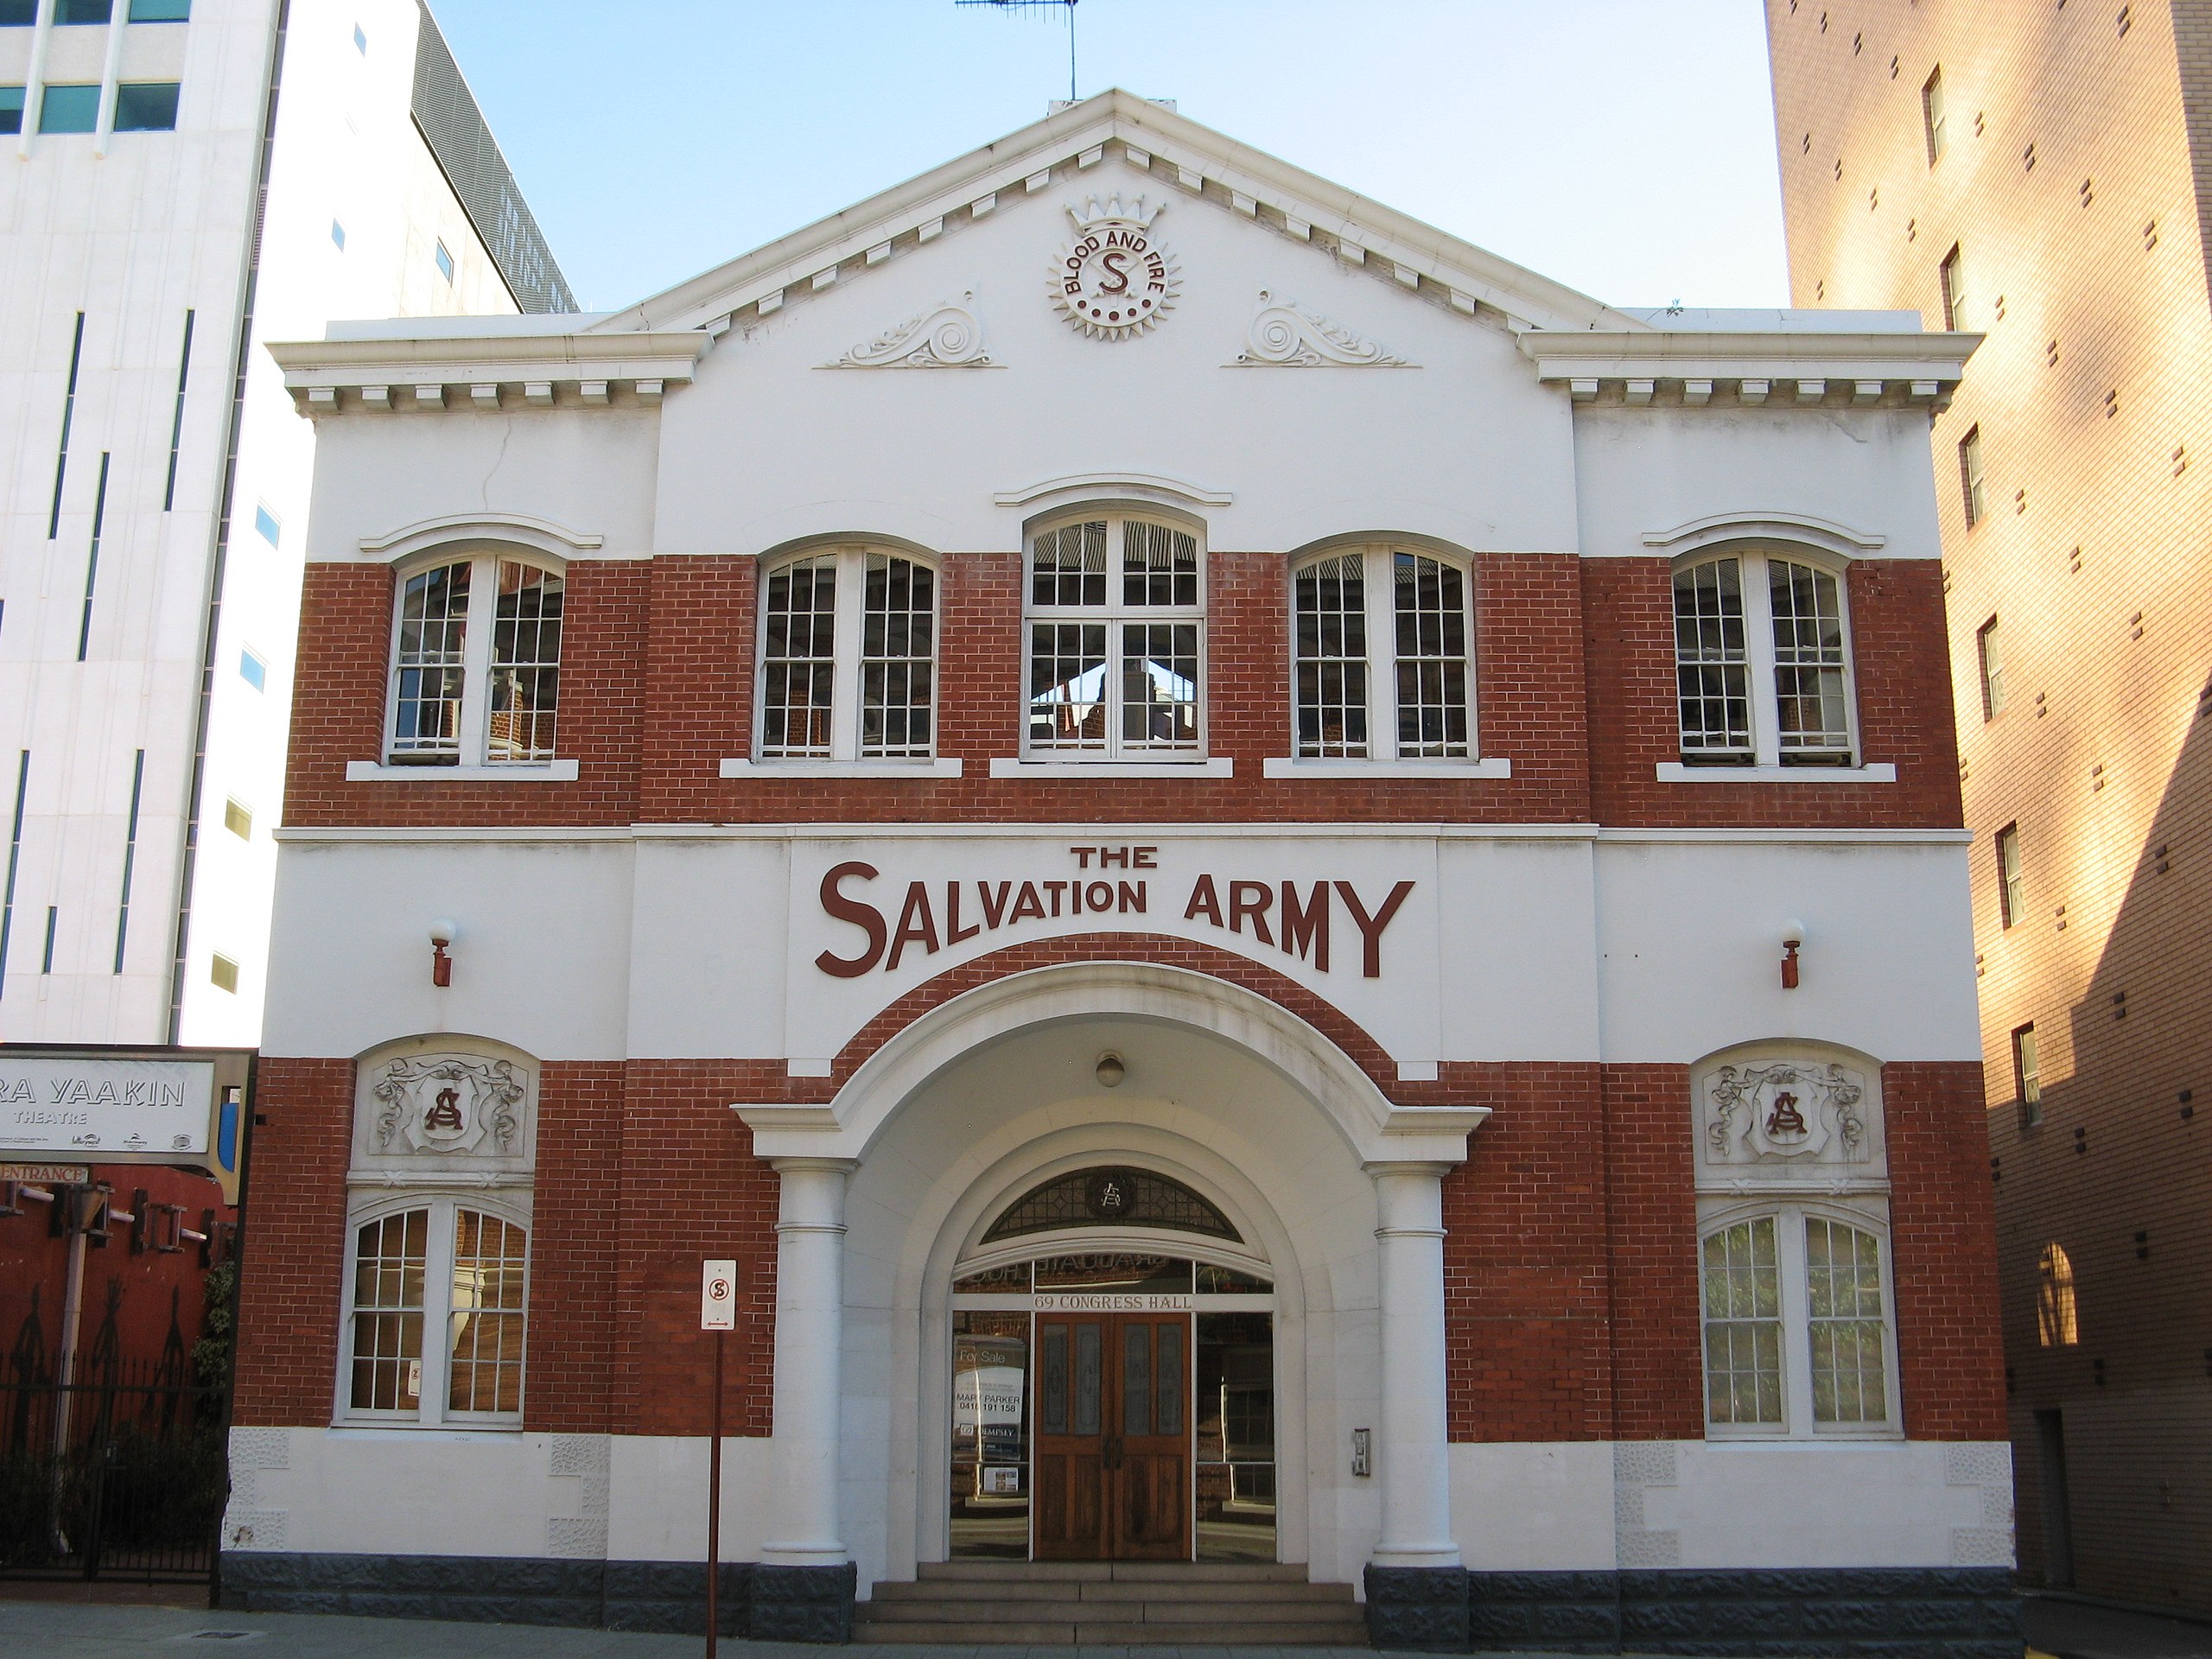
(865, 917)
(1117, 280)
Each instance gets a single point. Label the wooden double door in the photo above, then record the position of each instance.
(1113, 1437)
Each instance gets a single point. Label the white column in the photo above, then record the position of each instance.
(1411, 1456)
(809, 1332)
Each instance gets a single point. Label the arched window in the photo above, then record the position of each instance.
(1116, 642)
(1797, 1338)
(435, 1307)
(476, 662)
(847, 657)
(1762, 661)
(2056, 1325)
(1381, 637)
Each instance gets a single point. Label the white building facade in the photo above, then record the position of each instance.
(1293, 898)
(187, 179)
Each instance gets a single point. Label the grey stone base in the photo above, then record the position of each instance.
(1423, 1607)
(1876, 1612)
(783, 1604)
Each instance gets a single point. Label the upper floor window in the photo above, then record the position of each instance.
(476, 662)
(1762, 662)
(2027, 1075)
(147, 107)
(444, 260)
(1796, 1332)
(1953, 274)
(1931, 116)
(2011, 884)
(74, 108)
(161, 11)
(435, 1305)
(1970, 477)
(1989, 653)
(1116, 641)
(2058, 1324)
(849, 657)
(1382, 645)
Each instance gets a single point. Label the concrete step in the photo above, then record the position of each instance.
(1340, 1634)
(972, 1610)
(976, 1610)
(1094, 1591)
(1124, 1572)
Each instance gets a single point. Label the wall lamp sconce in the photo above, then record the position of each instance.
(441, 935)
(1111, 1070)
(1793, 937)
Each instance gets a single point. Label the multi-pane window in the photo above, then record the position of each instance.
(436, 1312)
(849, 657)
(1989, 653)
(1797, 1337)
(2027, 1075)
(1762, 662)
(1931, 116)
(1970, 479)
(1953, 275)
(1116, 641)
(2011, 887)
(1415, 702)
(476, 663)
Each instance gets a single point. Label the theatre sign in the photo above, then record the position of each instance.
(179, 1107)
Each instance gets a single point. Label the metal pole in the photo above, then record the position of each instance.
(714, 1500)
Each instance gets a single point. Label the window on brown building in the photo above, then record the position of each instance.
(1931, 116)
(1989, 650)
(1954, 274)
(2011, 888)
(1970, 477)
(2027, 1075)
(2057, 1326)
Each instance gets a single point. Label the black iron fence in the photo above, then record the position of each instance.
(119, 1472)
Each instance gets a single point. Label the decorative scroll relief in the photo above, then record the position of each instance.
(1115, 280)
(1284, 334)
(436, 1115)
(1792, 1121)
(949, 335)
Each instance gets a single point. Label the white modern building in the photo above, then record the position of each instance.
(189, 178)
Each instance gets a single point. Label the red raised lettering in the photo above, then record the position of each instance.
(865, 917)
(1370, 927)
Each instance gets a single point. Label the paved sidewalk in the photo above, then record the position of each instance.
(2077, 1629)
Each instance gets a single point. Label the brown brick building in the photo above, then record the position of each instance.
(2042, 175)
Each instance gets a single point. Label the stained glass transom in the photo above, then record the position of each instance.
(1111, 1198)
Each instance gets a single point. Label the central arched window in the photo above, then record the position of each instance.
(1116, 641)
(435, 1311)
(2058, 1325)
(1382, 637)
(1762, 661)
(847, 657)
(476, 662)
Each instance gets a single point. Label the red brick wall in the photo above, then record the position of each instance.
(1658, 1366)
(1902, 676)
(1573, 671)
(292, 1273)
(1943, 1252)
(690, 1189)
(577, 1211)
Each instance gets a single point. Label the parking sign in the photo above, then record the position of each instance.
(718, 1296)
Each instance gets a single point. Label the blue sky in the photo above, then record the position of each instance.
(1625, 147)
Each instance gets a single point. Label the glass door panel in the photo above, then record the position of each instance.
(990, 1434)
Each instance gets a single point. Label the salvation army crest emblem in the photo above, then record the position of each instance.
(448, 1105)
(1115, 280)
(1786, 1111)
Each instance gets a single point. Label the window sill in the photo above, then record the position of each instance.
(841, 769)
(1489, 767)
(514, 772)
(383, 1427)
(1874, 772)
(1068, 771)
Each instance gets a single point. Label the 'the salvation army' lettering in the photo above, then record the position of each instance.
(931, 916)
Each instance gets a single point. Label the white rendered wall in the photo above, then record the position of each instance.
(158, 225)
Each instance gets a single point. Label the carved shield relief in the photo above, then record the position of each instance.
(1789, 1119)
(423, 1112)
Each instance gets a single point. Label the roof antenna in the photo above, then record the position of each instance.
(1068, 6)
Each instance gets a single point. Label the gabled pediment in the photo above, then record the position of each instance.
(1181, 157)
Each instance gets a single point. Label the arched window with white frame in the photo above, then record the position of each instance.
(1114, 647)
(476, 661)
(848, 660)
(1382, 640)
(1763, 659)
(437, 1298)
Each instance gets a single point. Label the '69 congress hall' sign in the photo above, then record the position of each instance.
(1322, 922)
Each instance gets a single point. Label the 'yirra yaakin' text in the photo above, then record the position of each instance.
(1292, 917)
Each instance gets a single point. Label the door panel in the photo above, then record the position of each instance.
(1113, 1453)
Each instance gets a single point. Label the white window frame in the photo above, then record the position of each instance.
(1767, 753)
(473, 748)
(1379, 592)
(513, 1208)
(848, 620)
(1870, 1215)
(1114, 615)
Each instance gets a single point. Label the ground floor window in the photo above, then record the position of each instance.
(436, 1302)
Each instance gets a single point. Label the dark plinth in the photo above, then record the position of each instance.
(1418, 1607)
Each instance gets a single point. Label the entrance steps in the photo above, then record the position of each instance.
(1118, 1603)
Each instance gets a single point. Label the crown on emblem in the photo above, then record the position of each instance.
(1113, 210)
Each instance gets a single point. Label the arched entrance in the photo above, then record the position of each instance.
(1113, 1377)
(889, 1202)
